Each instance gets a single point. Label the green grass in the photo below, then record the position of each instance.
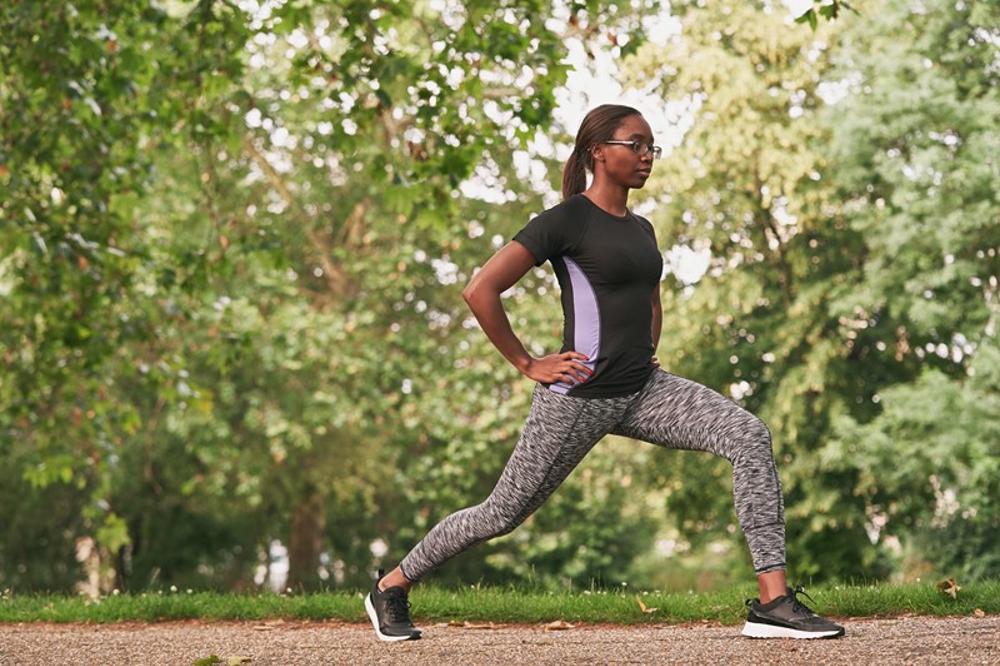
(498, 605)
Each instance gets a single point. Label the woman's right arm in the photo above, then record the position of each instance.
(500, 273)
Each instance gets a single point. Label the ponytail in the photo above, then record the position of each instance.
(574, 177)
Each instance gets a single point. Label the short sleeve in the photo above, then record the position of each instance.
(549, 234)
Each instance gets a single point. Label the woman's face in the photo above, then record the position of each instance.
(621, 163)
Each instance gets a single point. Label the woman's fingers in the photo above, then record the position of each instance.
(576, 370)
(562, 367)
(582, 372)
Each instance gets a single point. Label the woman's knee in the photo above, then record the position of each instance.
(489, 521)
(753, 440)
(758, 432)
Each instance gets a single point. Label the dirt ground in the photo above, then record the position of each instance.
(869, 642)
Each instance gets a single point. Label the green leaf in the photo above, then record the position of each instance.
(210, 660)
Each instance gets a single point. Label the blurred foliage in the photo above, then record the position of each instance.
(236, 249)
(750, 188)
(235, 237)
(837, 277)
(916, 143)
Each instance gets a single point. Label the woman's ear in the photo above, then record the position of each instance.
(597, 152)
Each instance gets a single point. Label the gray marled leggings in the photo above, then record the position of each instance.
(669, 411)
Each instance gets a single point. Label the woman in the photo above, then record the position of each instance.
(605, 380)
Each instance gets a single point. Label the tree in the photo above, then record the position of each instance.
(73, 107)
(846, 197)
(277, 332)
(916, 150)
(235, 240)
(749, 188)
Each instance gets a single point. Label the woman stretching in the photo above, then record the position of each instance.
(605, 380)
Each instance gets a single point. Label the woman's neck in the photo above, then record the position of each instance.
(610, 198)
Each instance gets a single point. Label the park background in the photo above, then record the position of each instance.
(234, 352)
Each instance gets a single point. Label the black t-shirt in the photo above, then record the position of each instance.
(607, 267)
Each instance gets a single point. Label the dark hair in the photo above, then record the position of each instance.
(598, 126)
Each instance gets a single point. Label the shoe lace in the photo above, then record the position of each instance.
(797, 605)
(399, 609)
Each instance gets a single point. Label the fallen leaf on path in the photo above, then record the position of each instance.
(558, 625)
(210, 660)
(643, 606)
(268, 626)
(237, 661)
(949, 587)
(489, 625)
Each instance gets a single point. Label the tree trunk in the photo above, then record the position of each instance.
(306, 542)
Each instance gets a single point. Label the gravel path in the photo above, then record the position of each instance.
(910, 640)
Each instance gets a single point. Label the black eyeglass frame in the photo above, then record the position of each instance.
(638, 147)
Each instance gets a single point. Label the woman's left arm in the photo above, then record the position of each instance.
(657, 323)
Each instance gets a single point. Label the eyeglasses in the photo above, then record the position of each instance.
(639, 148)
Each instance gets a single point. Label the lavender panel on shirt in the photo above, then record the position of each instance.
(586, 322)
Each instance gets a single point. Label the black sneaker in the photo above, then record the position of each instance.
(389, 611)
(787, 617)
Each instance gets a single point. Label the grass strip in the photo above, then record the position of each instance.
(499, 605)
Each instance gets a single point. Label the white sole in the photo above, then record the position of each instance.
(373, 616)
(759, 630)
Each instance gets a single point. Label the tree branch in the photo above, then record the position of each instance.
(336, 279)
